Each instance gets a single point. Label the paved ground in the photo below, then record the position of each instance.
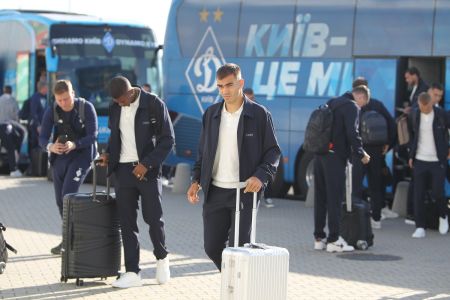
(416, 269)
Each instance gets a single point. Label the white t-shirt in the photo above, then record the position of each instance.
(426, 147)
(128, 151)
(225, 173)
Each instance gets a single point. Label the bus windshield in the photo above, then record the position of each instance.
(91, 55)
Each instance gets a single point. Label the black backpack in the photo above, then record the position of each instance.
(81, 110)
(319, 129)
(4, 247)
(374, 130)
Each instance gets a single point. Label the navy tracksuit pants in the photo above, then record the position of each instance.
(128, 191)
(69, 172)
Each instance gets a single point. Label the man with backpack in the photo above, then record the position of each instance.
(377, 129)
(329, 167)
(73, 122)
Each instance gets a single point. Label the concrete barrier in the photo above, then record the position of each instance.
(400, 203)
(182, 179)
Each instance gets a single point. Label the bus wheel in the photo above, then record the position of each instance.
(278, 188)
(304, 174)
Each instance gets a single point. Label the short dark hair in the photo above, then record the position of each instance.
(62, 86)
(7, 89)
(413, 71)
(248, 91)
(359, 81)
(437, 85)
(147, 85)
(424, 98)
(362, 89)
(229, 69)
(118, 86)
(41, 84)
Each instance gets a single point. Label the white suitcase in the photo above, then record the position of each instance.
(255, 271)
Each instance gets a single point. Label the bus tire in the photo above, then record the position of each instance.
(303, 173)
(278, 188)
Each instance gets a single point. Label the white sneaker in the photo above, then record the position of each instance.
(386, 213)
(162, 270)
(127, 280)
(16, 173)
(375, 224)
(410, 221)
(443, 225)
(268, 202)
(339, 246)
(320, 244)
(419, 233)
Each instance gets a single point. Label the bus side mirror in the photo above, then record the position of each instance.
(51, 59)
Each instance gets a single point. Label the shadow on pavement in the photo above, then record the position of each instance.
(56, 290)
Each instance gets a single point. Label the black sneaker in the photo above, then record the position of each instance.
(56, 250)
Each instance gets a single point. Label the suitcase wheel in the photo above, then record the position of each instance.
(2, 267)
(79, 282)
(103, 278)
(63, 279)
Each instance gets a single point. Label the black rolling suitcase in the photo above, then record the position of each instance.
(39, 162)
(91, 236)
(355, 224)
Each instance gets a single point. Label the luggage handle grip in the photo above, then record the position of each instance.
(94, 180)
(237, 218)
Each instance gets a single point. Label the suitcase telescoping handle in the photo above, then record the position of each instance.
(237, 218)
(94, 180)
(348, 186)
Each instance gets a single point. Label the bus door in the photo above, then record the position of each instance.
(432, 70)
(40, 68)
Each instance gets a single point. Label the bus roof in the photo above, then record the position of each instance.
(51, 17)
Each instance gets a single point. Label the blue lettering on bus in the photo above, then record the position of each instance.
(308, 40)
(282, 78)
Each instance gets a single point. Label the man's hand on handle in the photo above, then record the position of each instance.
(253, 185)
(102, 161)
(366, 158)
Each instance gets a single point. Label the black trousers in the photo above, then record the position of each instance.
(374, 177)
(128, 191)
(219, 218)
(422, 172)
(329, 190)
(11, 138)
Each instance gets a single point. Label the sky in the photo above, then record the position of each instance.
(152, 13)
